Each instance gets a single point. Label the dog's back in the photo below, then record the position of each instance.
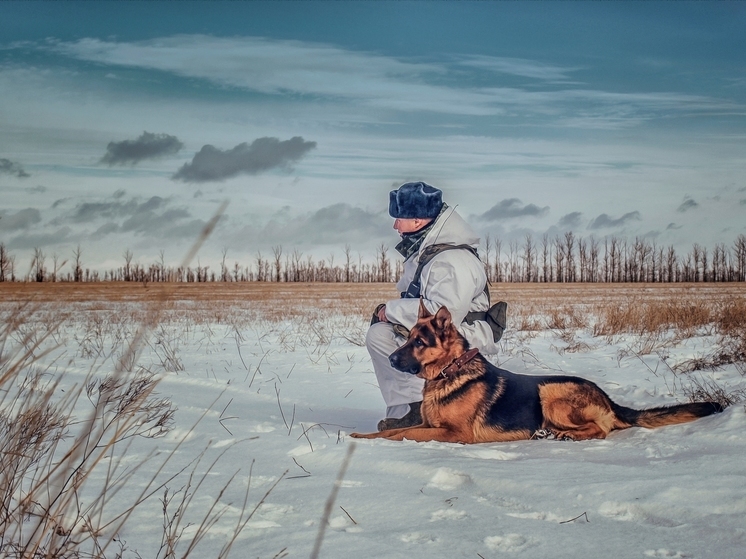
(577, 408)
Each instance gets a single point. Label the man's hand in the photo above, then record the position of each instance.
(382, 314)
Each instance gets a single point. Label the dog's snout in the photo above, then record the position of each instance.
(394, 360)
(402, 361)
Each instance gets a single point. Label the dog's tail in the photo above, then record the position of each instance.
(666, 415)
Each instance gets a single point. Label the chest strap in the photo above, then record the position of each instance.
(495, 316)
(414, 290)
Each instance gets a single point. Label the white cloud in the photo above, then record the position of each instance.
(278, 67)
(288, 67)
(520, 67)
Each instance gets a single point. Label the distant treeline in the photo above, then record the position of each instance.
(561, 259)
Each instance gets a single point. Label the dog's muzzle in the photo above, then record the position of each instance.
(401, 363)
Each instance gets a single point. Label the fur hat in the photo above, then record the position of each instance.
(415, 200)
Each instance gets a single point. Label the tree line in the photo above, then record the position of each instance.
(564, 258)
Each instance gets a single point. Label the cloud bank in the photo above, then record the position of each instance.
(604, 221)
(147, 146)
(335, 225)
(8, 167)
(688, 204)
(263, 154)
(571, 220)
(511, 208)
(22, 219)
(279, 67)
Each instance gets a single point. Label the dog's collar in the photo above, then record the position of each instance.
(459, 362)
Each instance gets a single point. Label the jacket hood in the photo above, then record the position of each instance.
(450, 228)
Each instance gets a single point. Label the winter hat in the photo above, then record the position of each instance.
(415, 200)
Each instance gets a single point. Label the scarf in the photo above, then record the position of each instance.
(410, 242)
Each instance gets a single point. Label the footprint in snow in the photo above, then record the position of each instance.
(447, 479)
(447, 514)
(343, 524)
(418, 538)
(665, 553)
(509, 543)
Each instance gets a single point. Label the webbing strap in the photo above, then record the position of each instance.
(415, 289)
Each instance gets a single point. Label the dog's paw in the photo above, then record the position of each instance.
(564, 436)
(363, 435)
(543, 434)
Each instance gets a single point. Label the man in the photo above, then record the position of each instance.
(454, 278)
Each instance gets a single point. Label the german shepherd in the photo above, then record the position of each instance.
(466, 399)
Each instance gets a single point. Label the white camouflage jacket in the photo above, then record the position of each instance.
(454, 279)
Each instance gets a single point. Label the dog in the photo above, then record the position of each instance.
(466, 399)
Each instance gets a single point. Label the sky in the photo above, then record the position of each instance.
(125, 125)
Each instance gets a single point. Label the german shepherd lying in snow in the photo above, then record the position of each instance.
(466, 399)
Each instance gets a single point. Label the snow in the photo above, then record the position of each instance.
(278, 396)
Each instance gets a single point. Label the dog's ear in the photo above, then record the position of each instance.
(423, 312)
(442, 318)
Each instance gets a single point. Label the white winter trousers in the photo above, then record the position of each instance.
(398, 389)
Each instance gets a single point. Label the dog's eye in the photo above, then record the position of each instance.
(418, 342)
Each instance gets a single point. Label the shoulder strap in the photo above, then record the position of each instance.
(414, 289)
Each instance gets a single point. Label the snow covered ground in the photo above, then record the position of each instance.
(280, 398)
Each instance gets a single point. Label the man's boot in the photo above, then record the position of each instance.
(412, 418)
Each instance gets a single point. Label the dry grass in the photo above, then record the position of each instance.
(610, 309)
(63, 445)
(658, 314)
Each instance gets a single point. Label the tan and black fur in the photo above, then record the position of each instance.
(479, 402)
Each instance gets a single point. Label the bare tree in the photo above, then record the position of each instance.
(127, 265)
(583, 259)
(719, 263)
(705, 275)
(546, 263)
(671, 265)
(224, 273)
(277, 251)
(529, 255)
(260, 267)
(78, 264)
(487, 252)
(4, 263)
(512, 270)
(570, 256)
(593, 264)
(696, 255)
(659, 277)
(614, 270)
(348, 255)
(294, 273)
(384, 265)
(56, 266)
(740, 249)
(559, 259)
(498, 277)
(332, 271)
(162, 266)
(37, 265)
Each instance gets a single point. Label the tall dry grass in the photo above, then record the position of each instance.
(63, 444)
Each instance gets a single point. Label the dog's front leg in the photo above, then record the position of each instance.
(423, 434)
(384, 434)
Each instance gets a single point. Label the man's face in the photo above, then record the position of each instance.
(409, 225)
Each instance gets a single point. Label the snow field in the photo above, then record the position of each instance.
(280, 396)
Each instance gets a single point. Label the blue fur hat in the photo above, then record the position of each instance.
(415, 200)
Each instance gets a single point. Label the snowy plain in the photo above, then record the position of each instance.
(278, 398)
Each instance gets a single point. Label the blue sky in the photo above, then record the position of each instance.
(124, 125)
